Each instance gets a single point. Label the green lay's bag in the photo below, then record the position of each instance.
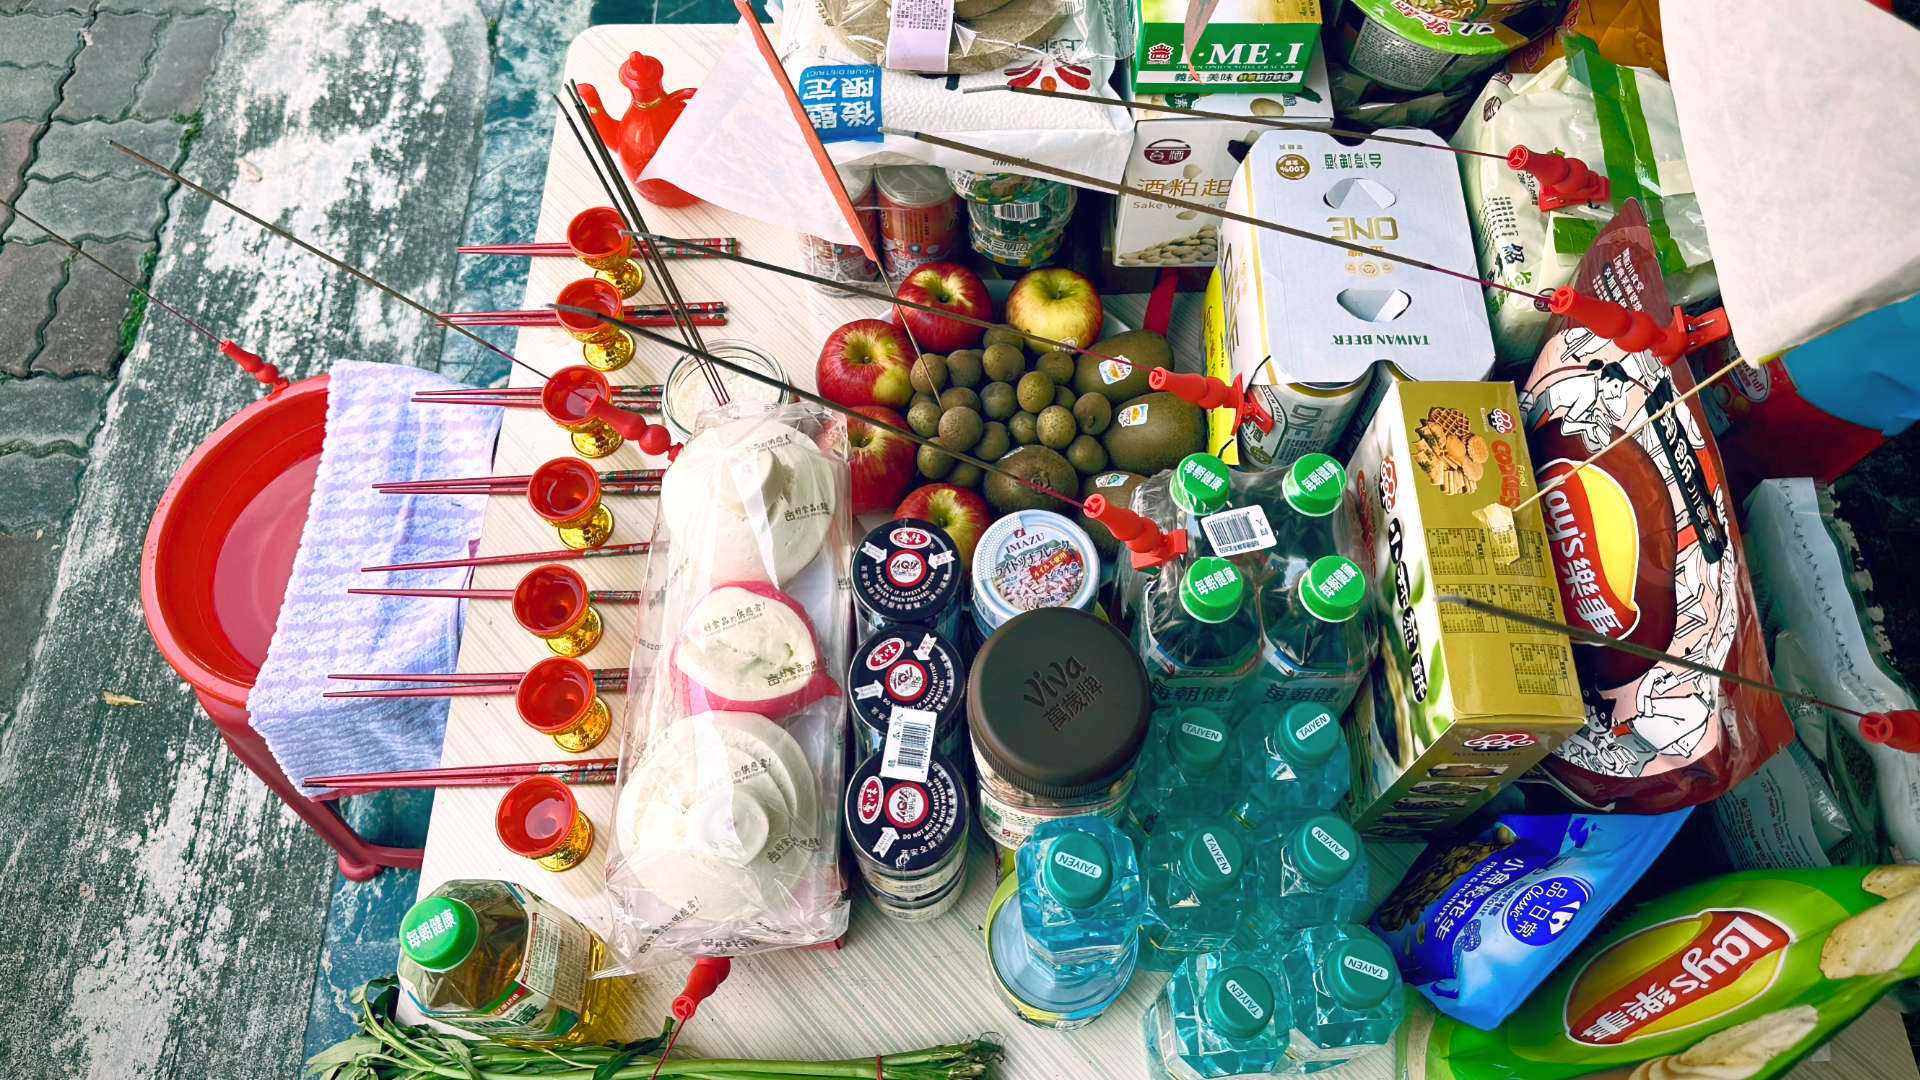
(1735, 978)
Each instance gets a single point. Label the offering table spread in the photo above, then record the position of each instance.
(893, 985)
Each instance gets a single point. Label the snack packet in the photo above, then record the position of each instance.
(1477, 924)
(1735, 978)
(1647, 550)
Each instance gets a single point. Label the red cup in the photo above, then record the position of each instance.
(567, 396)
(598, 237)
(557, 697)
(603, 345)
(552, 604)
(539, 819)
(565, 492)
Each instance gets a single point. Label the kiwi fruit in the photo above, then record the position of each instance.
(929, 373)
(1117, 485)
(934, 462)
(924, 417)
(1143, 349)
(1056, 427)
(963, 367)
(1086, 454)
(1024, 428)
(995, 440)
(998, 400)
(1036, 465)
(1153, 432)
(1057, 366)
(959, 397)
(1035, 391)
(1004, 363)
(1093, 412)
(960, 428)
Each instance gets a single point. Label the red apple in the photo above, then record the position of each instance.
(960, 511)
(949, 287)
(865, 362)
(882, 461)
(1056, 303)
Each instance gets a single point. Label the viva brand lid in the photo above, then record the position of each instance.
(1324, 848)
(439, 932)
(1333, 588)
(1307, 733)
(906, 571)
(1201, 483)
(1313, 484)
(1239, 1002)
(906, 667)
(1058, 703)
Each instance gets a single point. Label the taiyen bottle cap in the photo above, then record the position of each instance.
(1213, 859)
(1307, 733)
(1212, 590)
(906, 667)
(1359, 972)
(1333, 588)
(439, 932)
(1078, 869)
(1313, 484)
(1058, 703)
(1324, 848)
(906, 571)
(1201, 484)
(1197, 742)
(904, 827)
(1239, 1002)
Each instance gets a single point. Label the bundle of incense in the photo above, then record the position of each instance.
(559, 248)
(556, 555)
(584, 771)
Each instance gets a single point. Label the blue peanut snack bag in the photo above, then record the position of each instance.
(1479, 922)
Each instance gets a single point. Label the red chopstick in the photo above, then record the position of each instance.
(667, 251)
(611, 476)
(583, 771)
(599, 674)
(621, 394)
(549, 318)
(640, 548)
(597, 596)
(497, 689)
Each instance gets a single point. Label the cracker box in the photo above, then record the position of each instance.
(1310, 323)
(1462, 703)
(1195, 158)
(1248, 46)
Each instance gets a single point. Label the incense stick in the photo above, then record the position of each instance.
(1256, 121)
(1084, 180)
(124, 279)
(558, 555)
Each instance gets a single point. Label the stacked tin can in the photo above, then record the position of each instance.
(909, 835)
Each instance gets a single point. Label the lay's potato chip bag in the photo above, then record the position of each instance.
(1735, 978)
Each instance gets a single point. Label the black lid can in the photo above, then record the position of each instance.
(908, 835)
(1057, 703)
(907, 571)
(910, 673)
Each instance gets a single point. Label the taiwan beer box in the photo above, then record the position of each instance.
(1308, 323)
(1195, 158)
(1462, 703)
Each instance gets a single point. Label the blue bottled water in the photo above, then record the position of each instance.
(1186, 768)
(1081, 899)
(1292, 758)
(1040, 993)
(1222, 1014)
(1315, 872)
(1198, 890)
(1344, 995)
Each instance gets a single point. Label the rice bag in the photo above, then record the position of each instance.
(1647, 550)
(1735, 978)
(1477, 924)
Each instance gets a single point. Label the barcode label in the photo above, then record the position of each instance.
(909, 749)
(1234, 532)
(1019, 211)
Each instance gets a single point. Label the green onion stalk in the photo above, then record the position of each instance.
(385, 1049)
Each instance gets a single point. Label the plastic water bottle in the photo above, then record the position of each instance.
(1222, 1014)
(1292, 758)
(1317, 637)
(1197, 636)
(1186, 769)
(1316, 873)
(1309, 495)
(1183, 497)
(1081, 899)
(1343, 994)
(1198, 890)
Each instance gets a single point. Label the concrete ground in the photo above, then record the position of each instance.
(161, 914)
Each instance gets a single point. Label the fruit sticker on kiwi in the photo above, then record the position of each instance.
(1110, 480)
(1132, 415)
(1112, 371)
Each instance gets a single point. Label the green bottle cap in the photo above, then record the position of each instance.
(1212, 589)
(1313, 485)
(1197, 742)
(1324, 848)
(1213, 859)
(1239, 1002)
(1307, 733)
(1078, 870)
(439, 932)
(1359, 972)
(1333, 589)
(1200, 484)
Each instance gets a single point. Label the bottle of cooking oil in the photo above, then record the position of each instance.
(493, 959)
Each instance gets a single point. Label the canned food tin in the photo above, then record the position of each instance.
(908, 835)
(911, 678)
(919, 217)
(1037, 992)
(1032, 559)
(1014, 220)
(846, 262)
(907, 571)
(1307, 419)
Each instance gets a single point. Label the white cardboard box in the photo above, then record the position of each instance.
(1196, 159)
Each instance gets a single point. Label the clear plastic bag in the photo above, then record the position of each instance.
(986, 34)
(727, 815)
